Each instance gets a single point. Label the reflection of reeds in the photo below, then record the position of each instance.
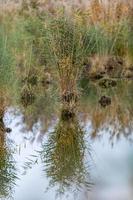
(64, 155)
(118, 116)
(43, 109)
(7, 170)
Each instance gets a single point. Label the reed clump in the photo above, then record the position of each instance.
(65, 37)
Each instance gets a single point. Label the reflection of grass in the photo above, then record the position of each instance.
(118, 115)
(43, 109)
(7, 169)
(7, 173)
(64, 155)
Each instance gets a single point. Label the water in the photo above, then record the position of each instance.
(89, 157)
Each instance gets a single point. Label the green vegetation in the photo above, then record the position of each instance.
(63, 156)
(7, 168)
(39, 47)
(7, 62)
(50, 54)
(62, 44)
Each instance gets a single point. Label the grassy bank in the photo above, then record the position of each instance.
(45, 39)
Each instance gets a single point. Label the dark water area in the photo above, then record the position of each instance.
(87, 157)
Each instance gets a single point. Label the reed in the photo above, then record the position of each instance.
(63, 156)
(64, 39)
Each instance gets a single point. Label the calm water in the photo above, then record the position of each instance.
(87, 158)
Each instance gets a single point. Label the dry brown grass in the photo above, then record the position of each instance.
(108, 11)
(95, 10)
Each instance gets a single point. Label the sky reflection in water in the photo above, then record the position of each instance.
(89, 157)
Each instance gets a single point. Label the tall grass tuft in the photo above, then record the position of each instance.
(7, 65)
(63, 39)
(63, 43)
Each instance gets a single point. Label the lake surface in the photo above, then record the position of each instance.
(89, 157)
